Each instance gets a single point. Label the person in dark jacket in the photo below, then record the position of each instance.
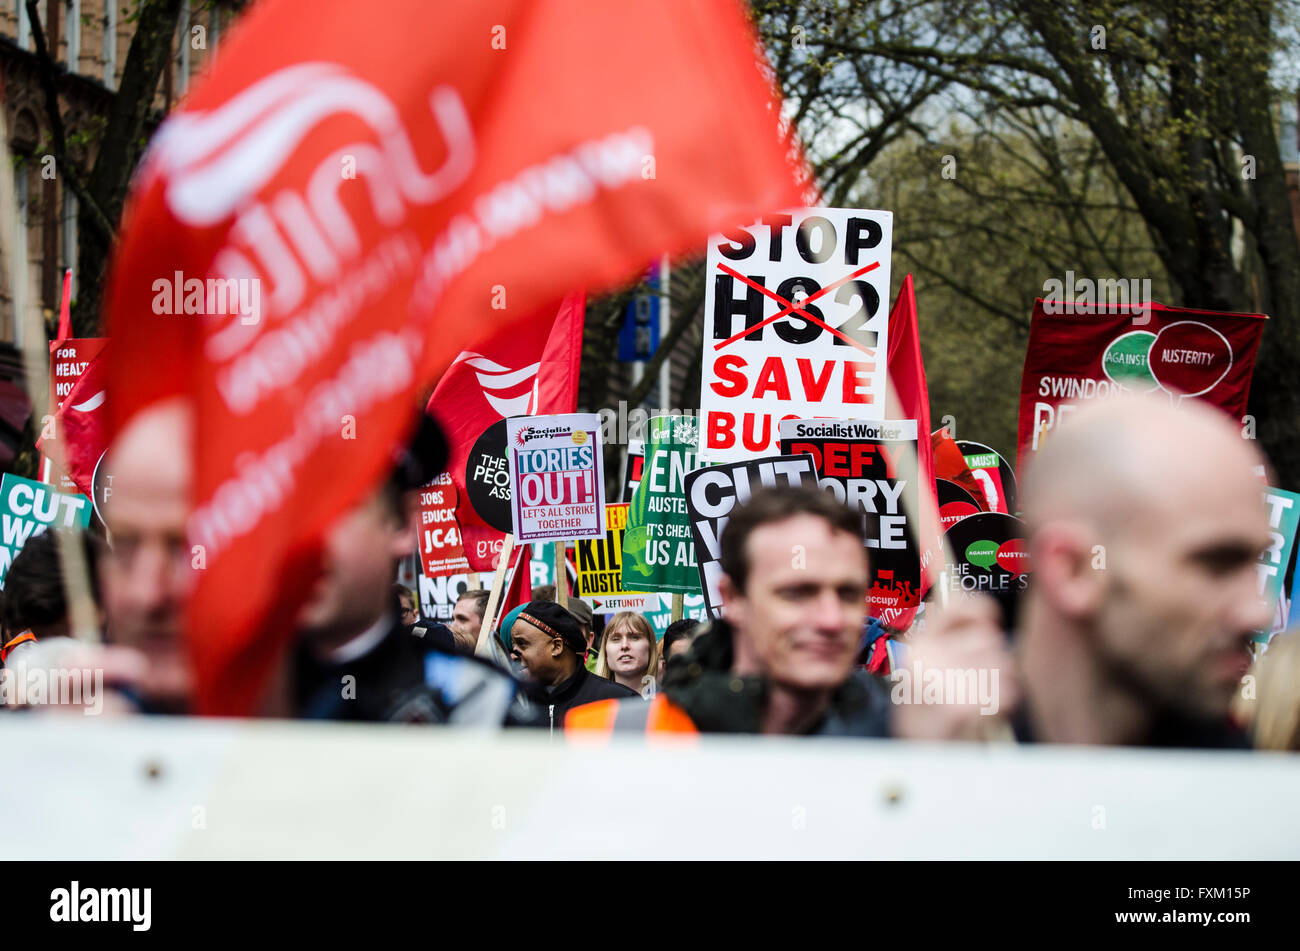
(356, 658)
(794, 591)
(549, 643)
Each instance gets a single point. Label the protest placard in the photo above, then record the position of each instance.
(487, 479)
(438, 536)
(713, 491)
(955, 503)
(600, 569)
(1283, 517)
(634, 465)
(993, 473)
(30, 508)
(1084, 352)
(439, 594)
(657, 550)
(990, 557)
(866, 466)
(795, 326)
(68, 361)
(557, 476)
(660, 614)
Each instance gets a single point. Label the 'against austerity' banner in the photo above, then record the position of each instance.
(1088, 353)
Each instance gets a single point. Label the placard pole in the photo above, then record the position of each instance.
(483, 649)
(561, 576)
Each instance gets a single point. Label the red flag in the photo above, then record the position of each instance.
(950, 464)
(65, 308)
(529, 369)
(70, 357)
(82, 422)
(909, 398)
(520, 589)
(328, 220)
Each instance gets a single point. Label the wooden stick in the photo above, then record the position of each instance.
(473, 581)
(678, 607)
(483, 648)
(561, 576)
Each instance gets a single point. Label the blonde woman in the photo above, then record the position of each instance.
(629, 653)
(1276, 713)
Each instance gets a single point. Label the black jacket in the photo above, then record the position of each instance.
(436, 635)
(582, 687)
(406, 678)
(717, 701)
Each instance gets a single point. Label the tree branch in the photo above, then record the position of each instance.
(49, 80)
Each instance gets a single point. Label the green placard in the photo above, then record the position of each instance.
(1283, 516)
(658, 554)
(29, 508)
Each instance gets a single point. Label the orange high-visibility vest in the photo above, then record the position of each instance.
(604, 717)
(22, 638)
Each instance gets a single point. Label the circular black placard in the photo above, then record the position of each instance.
(989, 551)
(1007, 474)
(487, 478)
(101, 487)
(963, 503)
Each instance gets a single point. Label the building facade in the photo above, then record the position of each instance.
(93, 41)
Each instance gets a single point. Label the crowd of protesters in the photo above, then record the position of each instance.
(1147, 646)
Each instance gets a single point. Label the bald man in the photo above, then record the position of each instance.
(145, 574)
(1146, 523)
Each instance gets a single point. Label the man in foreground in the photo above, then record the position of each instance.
(146, 573)
(1146, 524)
(356, 660)
(144, 576)
(781, 660)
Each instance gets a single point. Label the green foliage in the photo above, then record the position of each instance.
(1100, 137)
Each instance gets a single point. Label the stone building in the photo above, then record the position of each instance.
(93, 40)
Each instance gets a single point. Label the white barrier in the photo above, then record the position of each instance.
(77, 788)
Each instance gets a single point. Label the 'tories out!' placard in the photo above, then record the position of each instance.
(557, 476)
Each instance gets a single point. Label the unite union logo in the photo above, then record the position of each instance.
(509, 392)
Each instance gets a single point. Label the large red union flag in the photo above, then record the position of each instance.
(349, 200)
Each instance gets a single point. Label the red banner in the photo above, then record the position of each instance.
(908, 397)
(69, 359)
(1091, 352)
(529, 369)
(347, 202)
(438, 537)
(78, 389)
